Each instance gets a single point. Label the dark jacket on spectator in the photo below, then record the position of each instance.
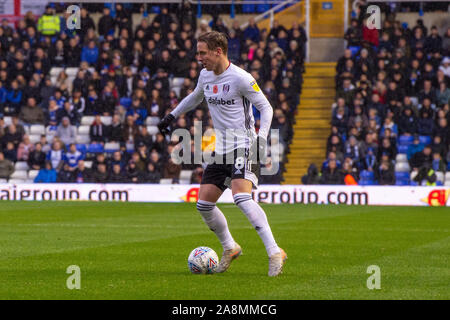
(36, 158)
(6, 168)
(332, 177)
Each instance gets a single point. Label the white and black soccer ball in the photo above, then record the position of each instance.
(203, 260)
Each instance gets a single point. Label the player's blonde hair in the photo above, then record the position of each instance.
(215, 40)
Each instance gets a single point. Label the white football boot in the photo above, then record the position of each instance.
(227, 257)
(276, 263)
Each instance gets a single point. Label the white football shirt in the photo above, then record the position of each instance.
(230, 97)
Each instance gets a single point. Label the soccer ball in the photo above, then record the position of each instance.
(203, 260)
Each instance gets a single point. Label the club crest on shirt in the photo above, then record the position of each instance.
(215, 89)
(226, 88)
(255, 86)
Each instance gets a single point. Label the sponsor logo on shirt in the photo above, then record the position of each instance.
(216, 101)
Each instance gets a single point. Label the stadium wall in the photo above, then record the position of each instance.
(273, 194)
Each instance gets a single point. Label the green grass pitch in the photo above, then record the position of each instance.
(139, 251)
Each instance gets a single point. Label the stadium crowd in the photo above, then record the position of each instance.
(390, 120)
(97, 125)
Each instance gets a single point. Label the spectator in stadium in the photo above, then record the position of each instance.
(353, 35)
(425, 124)
(66, 132)
(53, 114)
(138, 111)
(331, 174)
(351, 149)
(331, 157)
(133, 173)
(438, 146)
(388, 149)
(407, 124)
(442, 95)
(55, 155)
(72, 157)
(31, 113)
(117, 158)
(36, 158)
(252, 31)
(117, 175)
(24, 149)
(445, 66)
(90, 53)
(13, 99)
(385, 174)
(82, 173)
(203, 28)
(115, 130)
(163, 20)
(46, 174)
(437, 163)
(11, 135)
(100, 158)
(86, 22)
(100, 175)
(422, 159)
(67, 112)
(106, 24)
(66, 174)
(312, 176)
(6, 167)
(130, 129)
(10, 152)
(98, 131)
(415, 147)
(49, 23)
(443, 130)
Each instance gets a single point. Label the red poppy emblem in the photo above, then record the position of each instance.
(215, 89)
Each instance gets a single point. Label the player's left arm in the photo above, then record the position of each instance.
(249, 89)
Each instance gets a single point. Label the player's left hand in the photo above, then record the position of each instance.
(164, 124)
(261, 146)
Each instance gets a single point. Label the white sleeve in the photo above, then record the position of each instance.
(191, 101)
(250, 89)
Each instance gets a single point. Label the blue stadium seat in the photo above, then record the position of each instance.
(402, 175)
(402, 182)
(126, 102)
(402, 148)
(248, 8)
(354, 49)
(425, 139)
(448, 166)
(367, 175)
(405, 140)
(262, 7)
(369, 182)
(439, 183)
(155, 9)
(82, 148)
(413, 183)
(95, 148)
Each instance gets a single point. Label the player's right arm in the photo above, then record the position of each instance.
(187, 104)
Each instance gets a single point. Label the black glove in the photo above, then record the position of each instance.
(164, 123)
(261, 151)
